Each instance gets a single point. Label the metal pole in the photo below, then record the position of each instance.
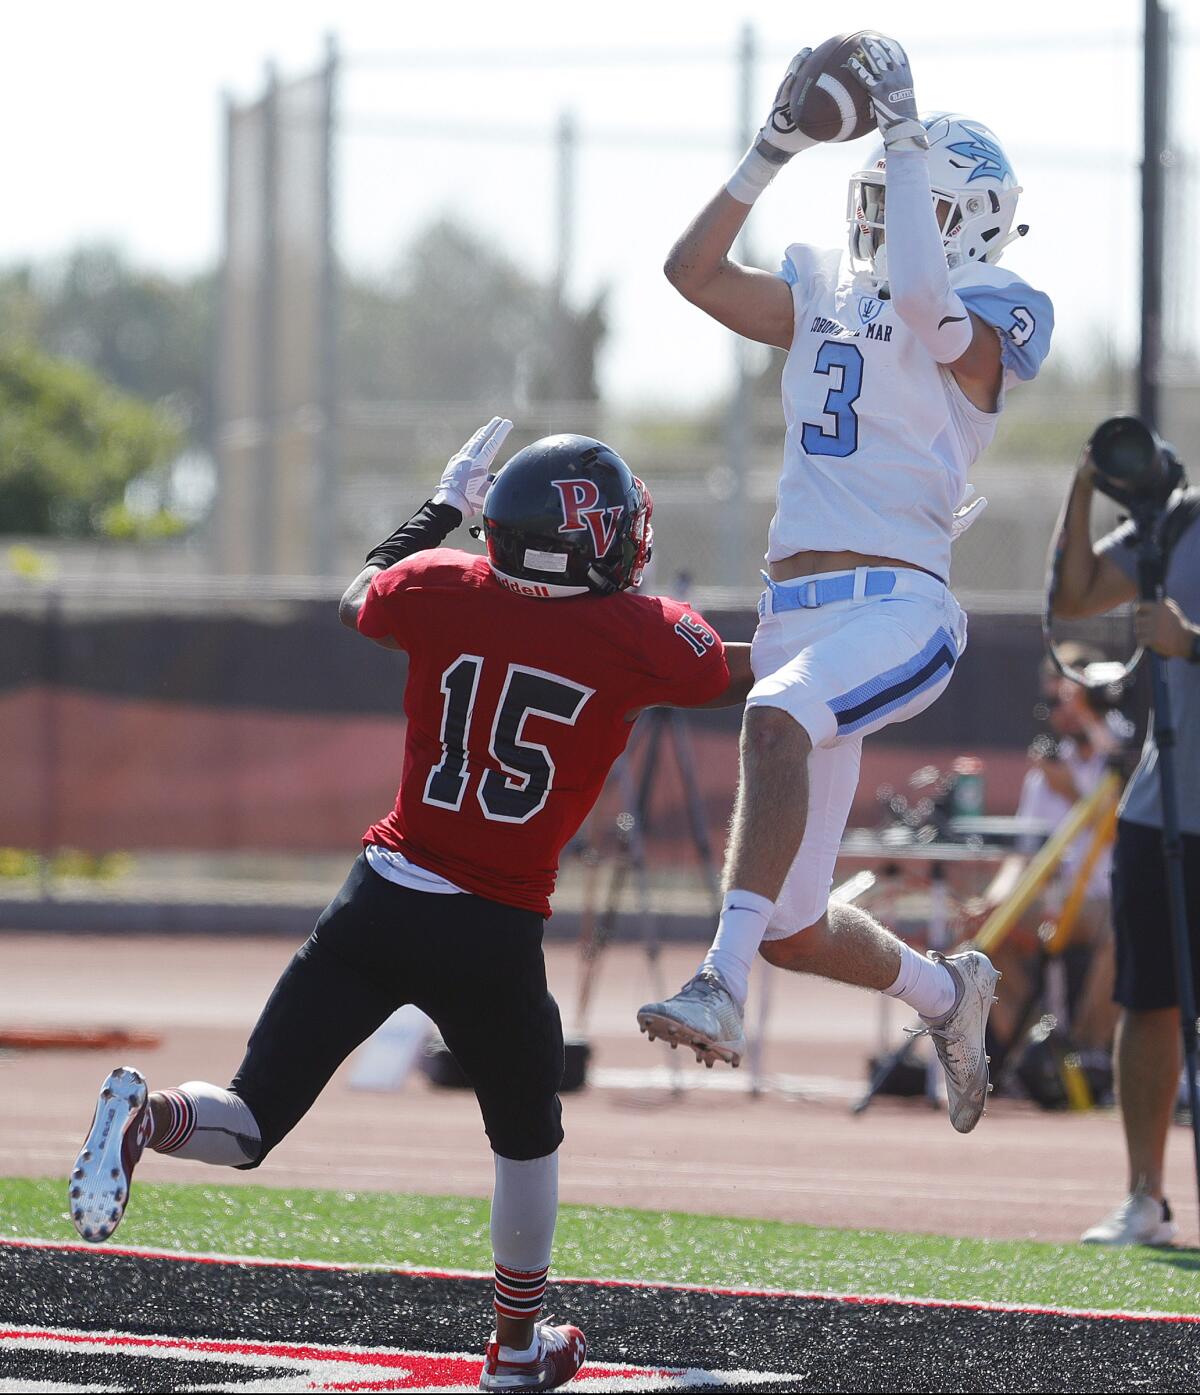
(567, 144)
(1155, 85)
(733, 536)
(52, 772)
(746, 124)
(325, 523)
(224, 545)
(267, 366)
(564, 209)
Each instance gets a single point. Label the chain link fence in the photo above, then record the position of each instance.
(341, 401)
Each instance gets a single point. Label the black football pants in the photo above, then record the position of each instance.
(474, 966)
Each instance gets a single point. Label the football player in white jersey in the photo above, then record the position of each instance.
(900, 352)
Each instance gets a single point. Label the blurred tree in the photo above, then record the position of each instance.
(456, 321)
(70, 444)
(453, 321)
(141, 330)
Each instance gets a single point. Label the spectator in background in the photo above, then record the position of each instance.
(1065, 765)
(1094, 578)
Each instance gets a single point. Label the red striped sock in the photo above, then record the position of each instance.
(519, 1293)
(183, 1122)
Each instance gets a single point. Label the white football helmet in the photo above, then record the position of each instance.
(974, 190)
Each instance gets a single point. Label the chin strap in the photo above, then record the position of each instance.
(601, 581)
(993, 253)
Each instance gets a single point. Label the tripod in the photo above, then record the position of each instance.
(1054, 939)
(1089, 811)
(656, 729)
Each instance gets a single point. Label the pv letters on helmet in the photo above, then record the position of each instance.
(582, 509)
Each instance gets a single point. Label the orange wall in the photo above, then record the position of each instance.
(140, 775)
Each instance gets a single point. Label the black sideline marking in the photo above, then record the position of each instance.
(828, 1344)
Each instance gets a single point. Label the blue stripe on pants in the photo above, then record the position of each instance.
(887, 691)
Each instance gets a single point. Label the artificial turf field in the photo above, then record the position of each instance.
(136, 1316)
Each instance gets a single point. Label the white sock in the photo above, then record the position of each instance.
(925, 985)
(210, 1125)
(524, 1210)
(744, 919)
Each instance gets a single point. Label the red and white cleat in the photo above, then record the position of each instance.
(561, 1351)
(98, 1191)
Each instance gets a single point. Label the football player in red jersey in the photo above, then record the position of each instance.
(517, 708)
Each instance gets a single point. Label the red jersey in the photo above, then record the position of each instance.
(517, 708)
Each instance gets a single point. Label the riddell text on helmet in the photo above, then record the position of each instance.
(523, 588)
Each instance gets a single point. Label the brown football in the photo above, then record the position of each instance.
(828, 101)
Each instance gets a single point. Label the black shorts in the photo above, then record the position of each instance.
(1142, 922)
(473, 965)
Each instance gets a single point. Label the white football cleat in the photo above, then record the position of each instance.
(958, 1035)
(561, 1351)
(704, 1015)
(98, 1190)
(1139, 1220)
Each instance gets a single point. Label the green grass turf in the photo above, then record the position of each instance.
(452, 1232)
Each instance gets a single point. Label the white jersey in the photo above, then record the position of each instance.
(879, 435)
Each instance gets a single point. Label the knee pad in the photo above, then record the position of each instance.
(523, 1130)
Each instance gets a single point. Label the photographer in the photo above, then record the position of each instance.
(1091, 579)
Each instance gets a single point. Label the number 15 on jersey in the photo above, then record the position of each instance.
(519, 789)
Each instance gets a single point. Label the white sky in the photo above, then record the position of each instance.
(113, 117)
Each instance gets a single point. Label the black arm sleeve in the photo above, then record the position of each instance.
(427, 528)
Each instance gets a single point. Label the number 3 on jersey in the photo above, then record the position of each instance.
(519, 789)
(839, 401)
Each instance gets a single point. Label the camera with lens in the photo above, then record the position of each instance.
(1134, 465)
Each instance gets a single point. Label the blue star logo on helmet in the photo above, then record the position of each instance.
(986, 156)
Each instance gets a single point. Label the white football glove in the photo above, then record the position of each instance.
(970, 506)
(777, 141)
(884, 71)
(465, 479)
